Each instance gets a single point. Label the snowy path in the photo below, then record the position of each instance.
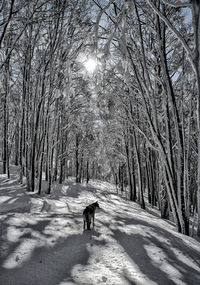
(42, 241)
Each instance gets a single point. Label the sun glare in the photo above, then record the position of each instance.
(90, 65)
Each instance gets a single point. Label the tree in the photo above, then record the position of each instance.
(162, 123)
(193, 55)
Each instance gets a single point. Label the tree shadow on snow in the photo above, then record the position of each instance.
(50, 264)
(150, 251)
(12, 196)
(75, 189)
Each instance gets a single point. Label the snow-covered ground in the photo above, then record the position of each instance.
(42, 240)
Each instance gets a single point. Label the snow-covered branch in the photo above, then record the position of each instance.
(172, 28)
(178, 4)
(99, 17)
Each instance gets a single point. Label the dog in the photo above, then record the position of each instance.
(88, 215)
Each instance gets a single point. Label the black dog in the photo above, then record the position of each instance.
(88, 214)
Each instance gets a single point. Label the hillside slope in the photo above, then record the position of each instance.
(42, 240)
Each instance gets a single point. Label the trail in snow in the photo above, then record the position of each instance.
(42, 240)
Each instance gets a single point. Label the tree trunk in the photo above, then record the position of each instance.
(196, 63)
(87, 172)
(140, 191)
(77, 158)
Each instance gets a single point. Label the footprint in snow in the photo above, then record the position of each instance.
(104, 279)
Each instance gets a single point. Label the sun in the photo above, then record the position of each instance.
(90, 65)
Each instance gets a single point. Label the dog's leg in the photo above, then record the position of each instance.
(84, 221)
(93, 220)
(88, 221)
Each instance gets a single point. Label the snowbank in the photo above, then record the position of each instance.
(43, 242)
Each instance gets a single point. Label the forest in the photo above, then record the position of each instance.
(107, 90)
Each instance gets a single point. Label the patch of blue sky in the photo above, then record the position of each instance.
(175, 76)
(187, 13)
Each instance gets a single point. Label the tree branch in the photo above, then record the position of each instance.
(178, 4)
(172, 28)
(7, 22)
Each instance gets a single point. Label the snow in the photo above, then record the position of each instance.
(42, 239)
